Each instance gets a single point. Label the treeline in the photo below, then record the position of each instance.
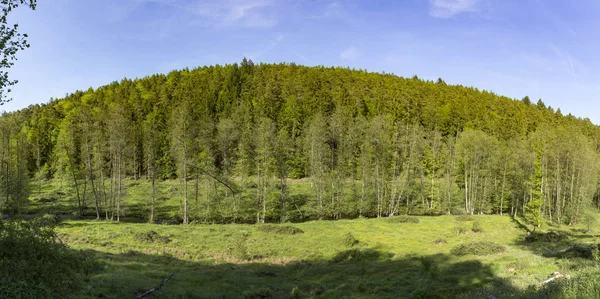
(239, 136)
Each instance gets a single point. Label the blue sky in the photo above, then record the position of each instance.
(542, 48)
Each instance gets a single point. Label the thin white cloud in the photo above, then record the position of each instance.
(350, 53)
(332, 9)
(303, 57)
(278, 38)
(244, 13)
(448, 8)
(565, 59)
(227, 13)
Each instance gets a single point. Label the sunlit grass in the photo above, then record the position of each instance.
(391, 260)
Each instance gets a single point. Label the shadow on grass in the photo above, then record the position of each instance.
(557, 243)
(356, 273)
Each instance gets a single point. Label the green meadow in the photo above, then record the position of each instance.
(360, 258)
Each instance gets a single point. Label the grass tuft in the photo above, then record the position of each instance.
(151, 237)
(477, 248)
(403, 219)
(350, 240)
(464, 218)
(279, 229)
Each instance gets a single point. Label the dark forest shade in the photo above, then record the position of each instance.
(367, 144)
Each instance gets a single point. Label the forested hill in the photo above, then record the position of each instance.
(365, 144)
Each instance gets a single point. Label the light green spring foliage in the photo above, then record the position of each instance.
(369, 144)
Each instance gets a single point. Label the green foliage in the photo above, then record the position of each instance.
(282, 142)
(296, 293)
(262, 293)
(583, 285)
(279, 229)
(35, 264)
(586, 251)
(549, 237)
(12, 42)
(533, 209)
(477, 228)
(596, 253)
(460, 228)
(350, 240)
(464, 218)
(239, 247)
(151, 237)
(589, 220)
(46, 220)
(477, 248)
(403, 219)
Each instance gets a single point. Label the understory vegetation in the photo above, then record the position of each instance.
(34, 263)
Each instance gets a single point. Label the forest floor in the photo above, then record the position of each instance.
(361, 258)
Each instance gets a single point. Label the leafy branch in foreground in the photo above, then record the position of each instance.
(11, 42)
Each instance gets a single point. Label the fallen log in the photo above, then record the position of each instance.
(154, 289)
(556, 276)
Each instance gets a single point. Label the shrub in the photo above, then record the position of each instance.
(47, 220)
(296, 293)
(585, 285)
(239, 248)
(589, 219)
(317, 291)
(403, 219)
(477, 248)
(350, 240)
(356, 255)
(477, 227)
(262, 293)
(151, 237)
(460, 228)
(464, 218)
(586, 251)
(37, 264)
(549, 237)
(279, 229)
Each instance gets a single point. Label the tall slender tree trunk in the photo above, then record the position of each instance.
(91, 173)
(152, 207)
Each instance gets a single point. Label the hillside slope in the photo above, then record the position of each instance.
(366, 144)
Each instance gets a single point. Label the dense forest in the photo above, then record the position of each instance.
(237, 137)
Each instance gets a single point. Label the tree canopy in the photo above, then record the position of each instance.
(368, 144)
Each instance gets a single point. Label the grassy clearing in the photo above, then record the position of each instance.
(383, 259)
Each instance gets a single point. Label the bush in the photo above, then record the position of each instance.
(296, 293)
(403, 219)
(262, 293)
(585, 285)
(589, 219)
(350, 240)
(477, 227)
(477, 248)
(586, 251)
(356, 255)
(279, 229)
(239, 248)
(151, 237)
(464, 218)
(549, 237)
(461, 228)
(37, 264)
(47, 220)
